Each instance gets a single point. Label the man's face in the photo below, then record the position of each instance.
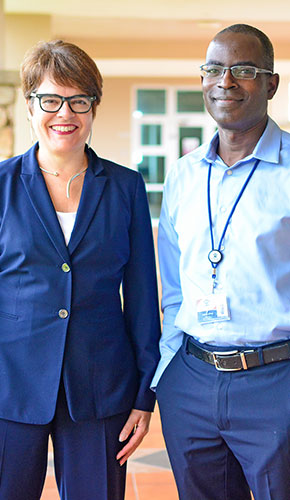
(236, 104)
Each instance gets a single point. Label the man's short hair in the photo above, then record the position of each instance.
(250, 30)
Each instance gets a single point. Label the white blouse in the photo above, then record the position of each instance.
(66, 221)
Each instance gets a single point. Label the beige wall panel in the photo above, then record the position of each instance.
(2, 33)
(22, 139)
(168, 49)
(20, 34)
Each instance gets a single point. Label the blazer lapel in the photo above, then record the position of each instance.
(93, 187)
(37, 192)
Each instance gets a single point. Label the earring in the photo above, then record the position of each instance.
(32, 135)
(31, 130)
(90, 138)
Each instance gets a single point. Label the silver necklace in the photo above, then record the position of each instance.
(56, 174)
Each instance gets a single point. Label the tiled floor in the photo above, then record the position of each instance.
(149, 475)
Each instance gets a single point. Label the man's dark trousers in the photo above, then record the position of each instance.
(226, 430)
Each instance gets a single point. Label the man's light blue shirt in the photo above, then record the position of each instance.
(255, 270)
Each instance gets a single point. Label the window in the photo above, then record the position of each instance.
(153, 169)
(151, 135)
(167, 123)
(151, 102)
(190, 101)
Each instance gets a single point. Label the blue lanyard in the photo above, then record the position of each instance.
(215, 255)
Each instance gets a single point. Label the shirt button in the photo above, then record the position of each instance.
(65, 267)
(229, 172)
(63, 313)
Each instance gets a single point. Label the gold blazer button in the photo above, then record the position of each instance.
(63, 313)
(65, 267)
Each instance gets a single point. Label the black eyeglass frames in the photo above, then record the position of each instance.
(51, 103)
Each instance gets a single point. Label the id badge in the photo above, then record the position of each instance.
(212, 308)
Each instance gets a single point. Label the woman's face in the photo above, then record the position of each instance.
(64, 131)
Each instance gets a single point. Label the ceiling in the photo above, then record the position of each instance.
(158, 19)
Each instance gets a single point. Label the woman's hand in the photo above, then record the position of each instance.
(138, 422)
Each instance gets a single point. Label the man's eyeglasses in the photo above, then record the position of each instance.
(51, 103)
(240, 72)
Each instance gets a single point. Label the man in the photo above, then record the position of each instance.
(225, 266)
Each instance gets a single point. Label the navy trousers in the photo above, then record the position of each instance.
(226, 432)
(84, 454)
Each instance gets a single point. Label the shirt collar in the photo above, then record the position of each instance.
(267, 148)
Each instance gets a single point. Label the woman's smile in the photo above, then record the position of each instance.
(64, 131)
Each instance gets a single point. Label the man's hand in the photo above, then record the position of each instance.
(138, 422)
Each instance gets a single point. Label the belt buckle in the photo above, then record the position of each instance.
(226, 353)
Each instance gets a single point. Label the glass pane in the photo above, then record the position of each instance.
(152, 168)
(151, 135)
(189, 139)
(151, 101)
(155, 200)
(189, 101)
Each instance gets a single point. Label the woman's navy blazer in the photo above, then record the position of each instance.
(68, 320)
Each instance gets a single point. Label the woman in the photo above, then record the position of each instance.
(75, 362)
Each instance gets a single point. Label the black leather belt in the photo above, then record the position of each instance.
(231, 361)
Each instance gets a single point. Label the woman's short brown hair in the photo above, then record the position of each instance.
(66, 64)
